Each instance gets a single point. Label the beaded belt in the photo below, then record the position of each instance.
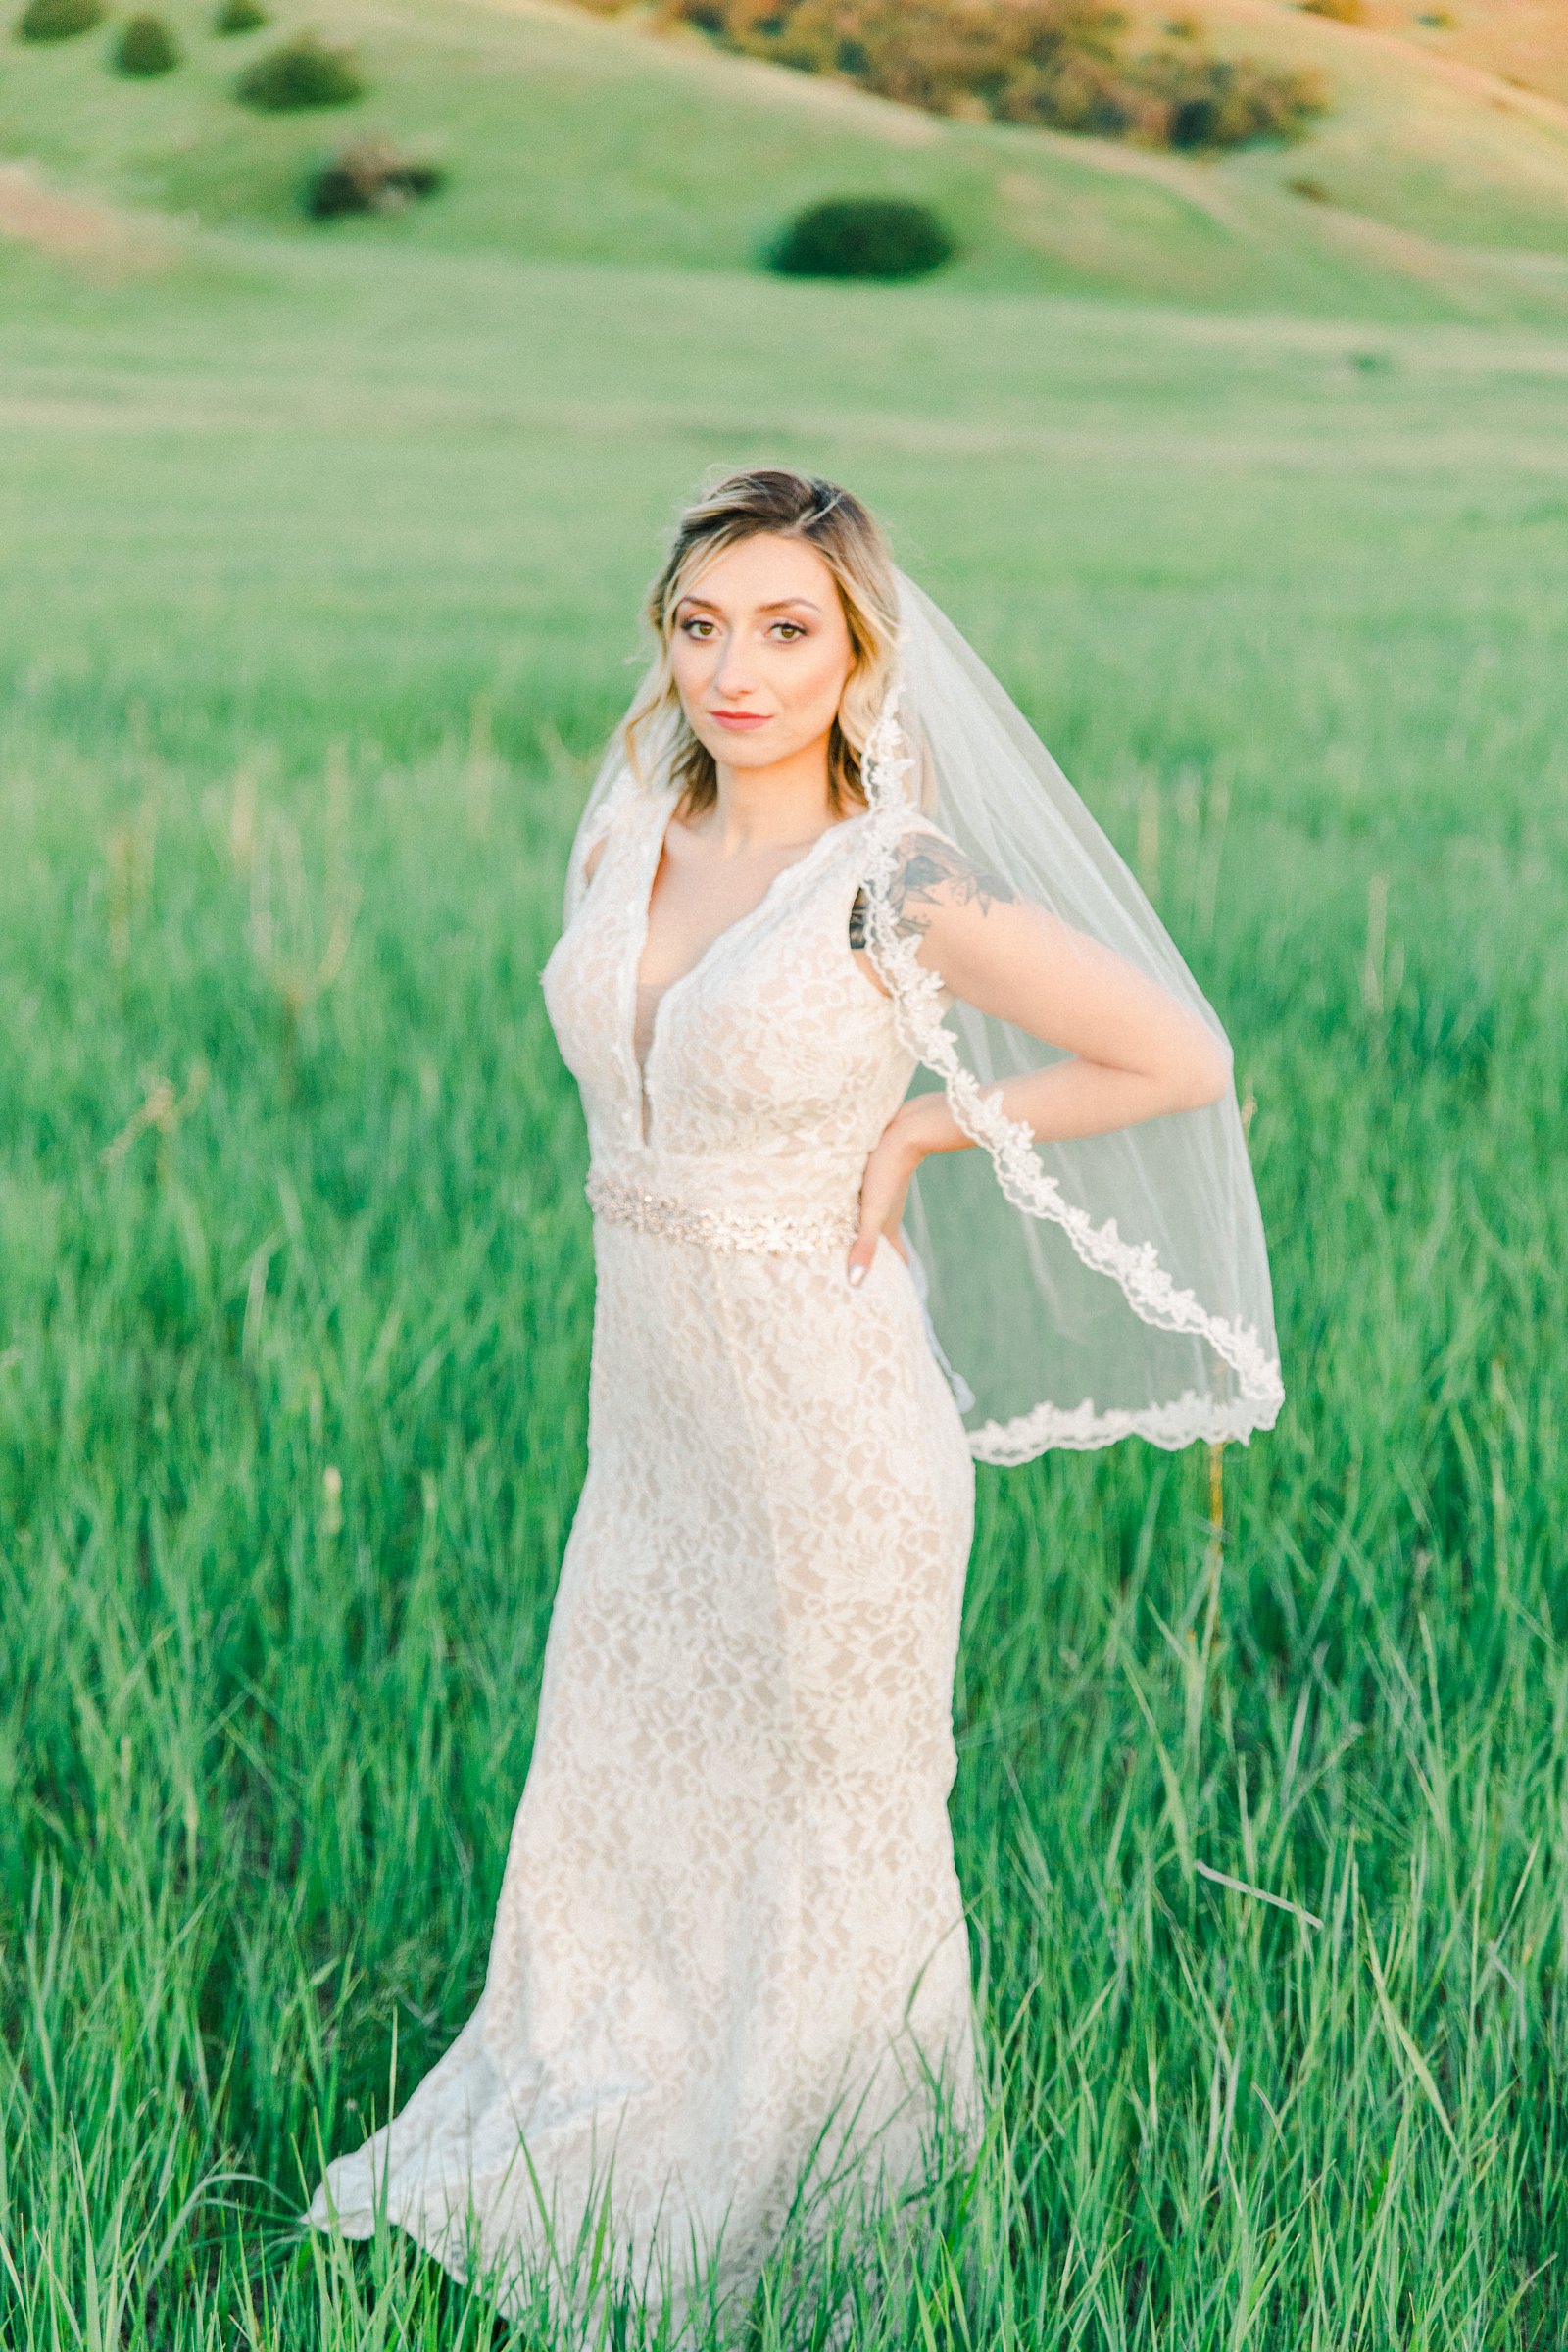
(674, 1220)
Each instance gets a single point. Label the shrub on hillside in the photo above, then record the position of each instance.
(1343, 12)
(368, 176)
(239, 16)
(1220, 103)
(58, 20)
(1062, 63)
(145, 46)
(302, 71)
(862, 236)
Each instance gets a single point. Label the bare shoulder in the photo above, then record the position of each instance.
(931, 876)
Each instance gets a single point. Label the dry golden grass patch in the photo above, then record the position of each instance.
(95, 237)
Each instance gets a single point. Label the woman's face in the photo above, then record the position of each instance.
(760, 651)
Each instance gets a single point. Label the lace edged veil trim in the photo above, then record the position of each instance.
(917, 995)
(1081, 1429)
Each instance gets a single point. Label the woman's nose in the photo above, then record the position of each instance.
(730, 677)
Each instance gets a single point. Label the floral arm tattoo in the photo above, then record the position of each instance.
(927, 871)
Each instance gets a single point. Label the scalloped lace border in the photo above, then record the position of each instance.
(1081, 1429)
(1135, 1265)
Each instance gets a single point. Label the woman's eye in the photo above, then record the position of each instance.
(696, 626)
(789, 630)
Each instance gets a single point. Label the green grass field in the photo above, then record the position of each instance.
(322, 562)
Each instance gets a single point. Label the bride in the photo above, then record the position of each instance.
(824, 854)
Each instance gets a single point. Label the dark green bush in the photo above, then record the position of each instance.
(58, 20)
(303, 72)
(146, 46)
(239, 16)
(368, 176)
(862, 236)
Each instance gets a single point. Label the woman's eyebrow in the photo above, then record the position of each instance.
(782, 604)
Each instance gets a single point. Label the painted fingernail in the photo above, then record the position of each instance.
(856, 1277)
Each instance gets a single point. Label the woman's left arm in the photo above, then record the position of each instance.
(1133, 1052)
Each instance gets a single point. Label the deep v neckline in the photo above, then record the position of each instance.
(642, 1064)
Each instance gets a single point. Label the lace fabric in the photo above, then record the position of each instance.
(730, 1931)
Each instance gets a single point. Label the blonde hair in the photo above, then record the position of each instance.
(777, 501)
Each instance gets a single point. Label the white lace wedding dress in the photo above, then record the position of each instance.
(729, 1927)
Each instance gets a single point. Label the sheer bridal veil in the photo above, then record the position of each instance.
(1080, 1291)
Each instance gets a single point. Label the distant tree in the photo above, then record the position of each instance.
(145, 47)
(239, 16)
(58, 20)
(862, 236)
(302, 71)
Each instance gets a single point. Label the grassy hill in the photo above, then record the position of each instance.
(1424, 137)
(1523, 42)
(571, 139)
(363, 471)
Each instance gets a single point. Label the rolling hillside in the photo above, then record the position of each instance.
(571, 139)
(1523, 42)
(1432, 132)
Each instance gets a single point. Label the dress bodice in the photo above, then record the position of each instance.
(772, 1065)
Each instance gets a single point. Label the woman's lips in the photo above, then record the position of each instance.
(739, 721)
